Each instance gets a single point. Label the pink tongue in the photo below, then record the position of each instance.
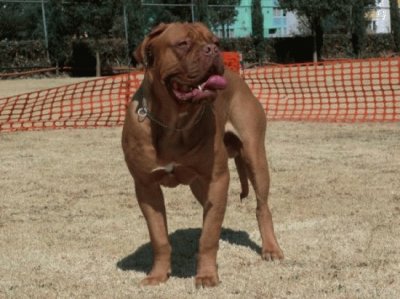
(215, 82)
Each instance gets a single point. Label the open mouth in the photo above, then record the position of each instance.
(192, 93)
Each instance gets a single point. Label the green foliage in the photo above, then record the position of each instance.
(278, 50)
(359, 24)
(202, 11)
(134, 15)
(100, 19)
(20, 21)
(257, 20)
(22, 54)
(154, 15)
(315, 9)
(83, 58)
(93, 21)
(219, 18)
(224, 16)
(58, 44)
(242, 45)
(333, 15)
(257, 24)
(93, 18)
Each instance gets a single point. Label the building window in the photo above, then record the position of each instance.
(272, 31)
(374, 26)
(278, 12)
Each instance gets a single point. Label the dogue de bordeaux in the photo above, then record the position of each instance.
(187, 118)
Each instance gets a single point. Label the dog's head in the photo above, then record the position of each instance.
(185, 57)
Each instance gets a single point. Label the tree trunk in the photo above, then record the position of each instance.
(395, 23)
(318, 38)
(98, 64)
(358, 28)
(315, 54)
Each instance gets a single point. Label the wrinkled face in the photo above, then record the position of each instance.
(186, 58)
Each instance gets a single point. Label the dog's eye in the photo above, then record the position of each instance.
(185, 44)
(215, 40)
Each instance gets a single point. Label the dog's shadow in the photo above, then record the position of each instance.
(185, 243)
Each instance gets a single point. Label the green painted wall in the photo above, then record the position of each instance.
(274, 20)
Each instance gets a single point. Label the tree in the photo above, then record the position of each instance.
(314, 11)
(166, 12)
(222, 15)
(317, 12)
(134, 14)
(57, 31)
(219, 14)
(395, 23)
(257, 25)
(359, 24)
(202, 11)
(93, 19)
(9, 22)
(20, 21)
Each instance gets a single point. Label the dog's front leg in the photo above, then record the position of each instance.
(151, 202)
(214, 205)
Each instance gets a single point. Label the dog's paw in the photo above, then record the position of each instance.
(206, 280)
(272, 255)
(153, 280)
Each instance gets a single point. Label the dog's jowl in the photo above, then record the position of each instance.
(187, 118)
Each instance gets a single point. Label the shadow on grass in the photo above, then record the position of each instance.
(185, 243)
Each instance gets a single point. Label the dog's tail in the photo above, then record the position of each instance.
(242, 172)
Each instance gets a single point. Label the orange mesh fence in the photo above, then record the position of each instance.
(232, 61)
(357, 90)
(340, 91)
(95, 103)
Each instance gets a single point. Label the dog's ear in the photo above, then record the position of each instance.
(143, 53)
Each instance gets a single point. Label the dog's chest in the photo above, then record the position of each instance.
(173, 174)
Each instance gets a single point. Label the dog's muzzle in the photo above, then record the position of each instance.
(194, 93)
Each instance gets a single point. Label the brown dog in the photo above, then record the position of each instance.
(186, 119)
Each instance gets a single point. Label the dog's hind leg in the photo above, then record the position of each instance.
(242, 172)
(249, 122)
(257, 166)
(234, 147)
(198, 190)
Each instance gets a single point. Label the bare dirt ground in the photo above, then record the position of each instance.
(70, 226)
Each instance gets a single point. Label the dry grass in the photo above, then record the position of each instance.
(15, 87)
(70, 226)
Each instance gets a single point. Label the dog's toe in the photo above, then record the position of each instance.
(153, 280)
(206, 281)
(272, 255)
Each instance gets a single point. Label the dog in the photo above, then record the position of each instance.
(189, 116)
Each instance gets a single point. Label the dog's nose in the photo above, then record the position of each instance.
(210, 49)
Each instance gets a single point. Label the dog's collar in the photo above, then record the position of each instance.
(143, 112)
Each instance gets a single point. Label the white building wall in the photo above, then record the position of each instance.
(380, 19)
(292, 24)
